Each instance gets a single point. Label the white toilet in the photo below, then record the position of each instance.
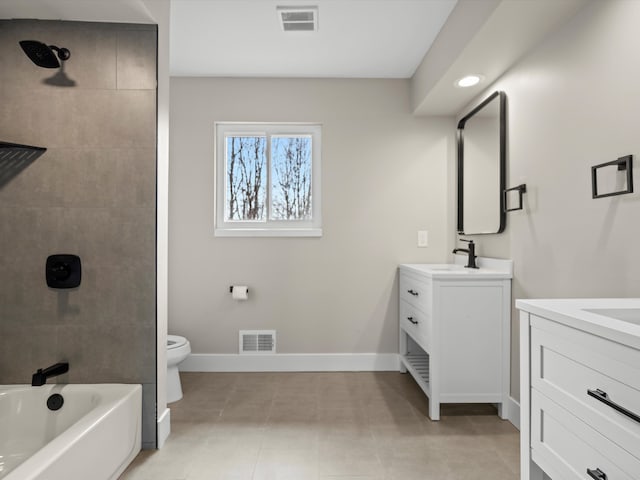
(178, 348)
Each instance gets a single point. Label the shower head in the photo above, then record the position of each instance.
(42, 55)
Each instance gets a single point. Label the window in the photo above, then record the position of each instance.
(268, 180)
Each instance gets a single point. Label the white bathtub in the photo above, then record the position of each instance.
(94, 435)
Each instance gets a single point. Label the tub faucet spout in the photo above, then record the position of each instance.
(40, 377)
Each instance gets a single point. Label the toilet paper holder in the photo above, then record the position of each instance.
(231, 289)
(239, 292)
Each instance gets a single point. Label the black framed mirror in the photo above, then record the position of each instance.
(482, 167)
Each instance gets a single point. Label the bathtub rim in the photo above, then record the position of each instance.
(118, 394)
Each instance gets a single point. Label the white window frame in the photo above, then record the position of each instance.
(268, 227)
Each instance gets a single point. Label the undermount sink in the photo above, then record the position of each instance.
(446, 267)
(631, 315)
(490, 268)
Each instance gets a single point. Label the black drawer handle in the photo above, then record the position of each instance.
(415, 294)
(415, 322)
(604, 398)
(597, 474)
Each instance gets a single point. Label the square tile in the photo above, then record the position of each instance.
(324, 426)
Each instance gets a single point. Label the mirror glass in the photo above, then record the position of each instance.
(482, 167)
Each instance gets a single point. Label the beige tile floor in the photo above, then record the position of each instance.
(322, 426)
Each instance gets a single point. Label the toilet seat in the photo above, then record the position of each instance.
(175, 341)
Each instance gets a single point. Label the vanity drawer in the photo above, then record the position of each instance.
(566, 371)
(566, 448)
(416, 291)
(417, 324)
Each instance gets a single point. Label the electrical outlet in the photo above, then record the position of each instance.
(423, 238)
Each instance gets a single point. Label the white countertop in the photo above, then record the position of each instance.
(490, 269)
(614, 318)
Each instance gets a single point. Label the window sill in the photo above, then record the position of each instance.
(268, 232)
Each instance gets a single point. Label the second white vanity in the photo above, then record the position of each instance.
(455, 331)
(580, 389)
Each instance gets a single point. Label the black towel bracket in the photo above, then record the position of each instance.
(521, 189)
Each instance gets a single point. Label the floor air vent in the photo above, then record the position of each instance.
(257, 341)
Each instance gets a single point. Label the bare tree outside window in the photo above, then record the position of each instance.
(245, 178)
(268, 179)
(291, 178)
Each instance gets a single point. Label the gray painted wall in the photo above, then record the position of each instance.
(92, 194)
(572, 103)
(384, 177)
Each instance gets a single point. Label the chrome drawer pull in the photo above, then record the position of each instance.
(415, 294)
(604, 398)
(415, 322)
(597, 474)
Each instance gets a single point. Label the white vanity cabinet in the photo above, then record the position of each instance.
(454, 326)
(580, 389)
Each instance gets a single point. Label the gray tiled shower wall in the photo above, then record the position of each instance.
(92, 193)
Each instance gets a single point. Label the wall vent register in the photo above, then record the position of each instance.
(298, 19)
(257, 341)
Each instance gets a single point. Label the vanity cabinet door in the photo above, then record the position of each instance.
(470, 332)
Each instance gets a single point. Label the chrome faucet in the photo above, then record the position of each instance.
(471, 251)
(40, 377)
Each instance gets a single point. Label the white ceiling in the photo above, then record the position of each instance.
(443, 39)
(355, 38)
(485, 37)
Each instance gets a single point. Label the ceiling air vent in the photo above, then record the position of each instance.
(257, 341)
(298, 19)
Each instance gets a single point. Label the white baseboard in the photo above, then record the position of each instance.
(292, 362)
(164, 427)
(513, 412)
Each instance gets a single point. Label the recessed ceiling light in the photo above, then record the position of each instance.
(468, 81)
